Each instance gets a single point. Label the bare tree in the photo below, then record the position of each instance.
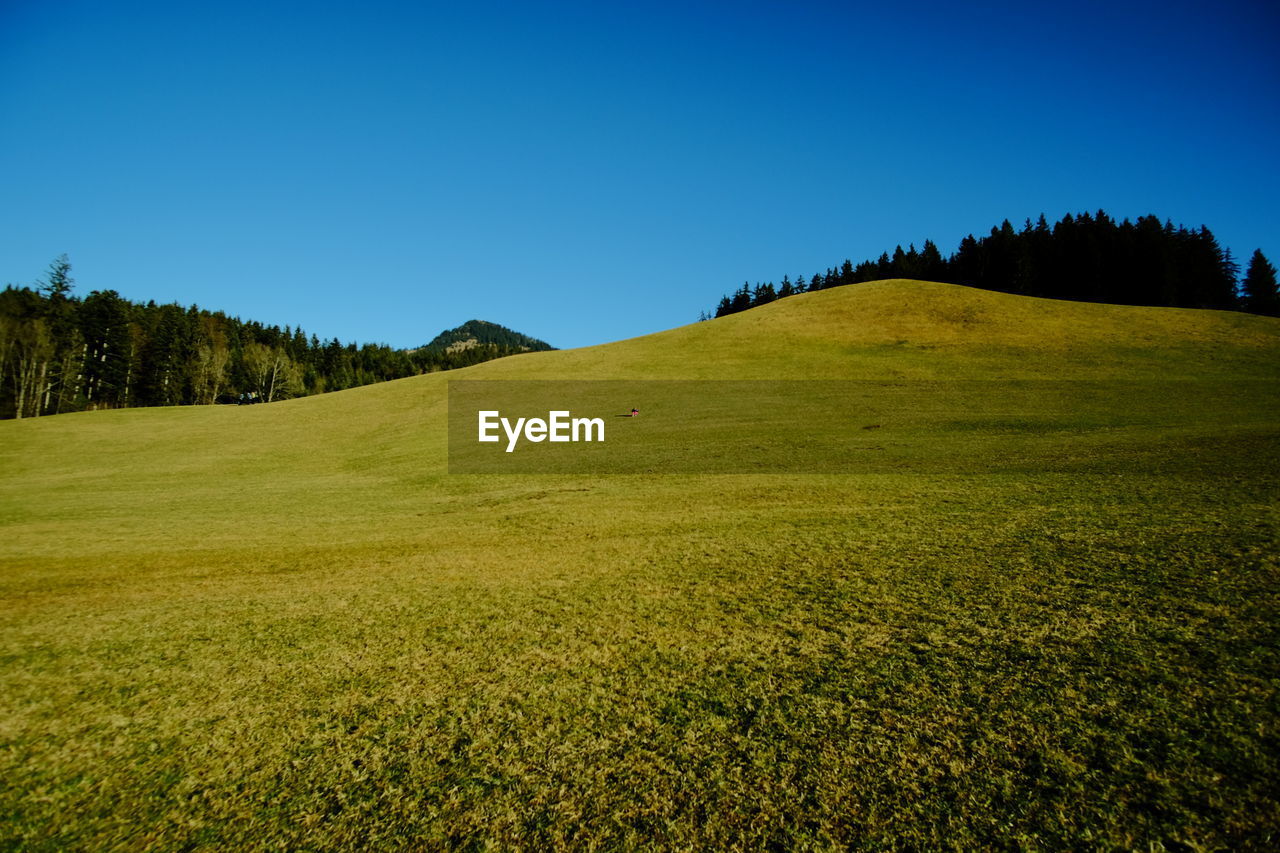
(34, 347)
(257, 361)
(209, 371)
(286, 378)
(274, 374)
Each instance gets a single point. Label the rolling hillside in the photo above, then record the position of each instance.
(1046, 624)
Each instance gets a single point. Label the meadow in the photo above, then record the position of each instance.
(1042, 616)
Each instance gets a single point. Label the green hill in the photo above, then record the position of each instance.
(476, 332)
(1049, 621)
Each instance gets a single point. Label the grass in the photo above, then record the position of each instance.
(1053, 626)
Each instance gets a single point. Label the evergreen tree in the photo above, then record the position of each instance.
(1259, 290)
(108, 349)
(58, 281)
(1211, 272)
(898, 268)
(161, 377)
(966, 264)
(931, 265)
(60, 375)
(1001, 262)
(884, 266)
(1152, 265)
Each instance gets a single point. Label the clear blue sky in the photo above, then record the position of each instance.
(584, 171)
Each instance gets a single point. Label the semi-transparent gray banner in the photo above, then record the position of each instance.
(760, 426)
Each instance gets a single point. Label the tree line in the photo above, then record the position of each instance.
(62, 353)
(1087, 257)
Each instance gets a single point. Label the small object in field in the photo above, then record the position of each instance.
(872, 426)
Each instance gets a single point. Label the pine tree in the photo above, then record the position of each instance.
(911, 263)
(884, 266)
(1214, 283)
(932, 267)
(897, 267)
(1259, 290)
(107, 349)
(59, 374)
(847, 272)
(160, 379)
(965, 266)
(58, 280)
(1001, 268)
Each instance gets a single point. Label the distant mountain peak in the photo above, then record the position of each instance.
(474, 333)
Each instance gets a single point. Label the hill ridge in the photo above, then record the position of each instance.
(918, 329)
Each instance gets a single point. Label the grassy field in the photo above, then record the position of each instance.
(1048, 625)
